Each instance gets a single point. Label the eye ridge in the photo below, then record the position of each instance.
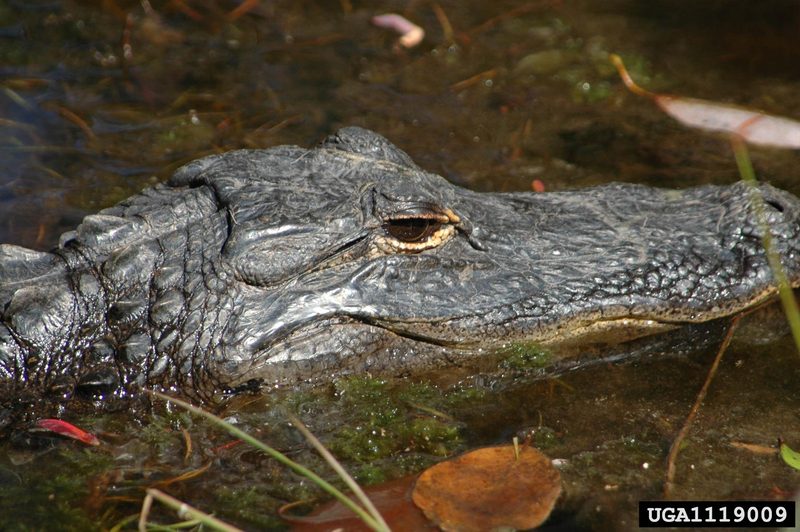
(412, 230)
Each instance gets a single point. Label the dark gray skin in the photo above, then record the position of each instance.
(286, 264)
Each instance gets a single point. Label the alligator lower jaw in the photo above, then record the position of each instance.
(611, 331)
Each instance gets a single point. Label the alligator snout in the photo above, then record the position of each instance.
(780, 207)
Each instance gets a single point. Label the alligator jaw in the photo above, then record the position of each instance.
(612, 330)
(608, 331)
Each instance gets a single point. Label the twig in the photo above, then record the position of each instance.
(73, 117)
(672, 458)
(16, 98)
(754, 448)
(147, 503)
(184, 476)
(628, 80)
(241, 9)
(444, 22)
(187, 439)
(431, 411)
(472, 80)
(193, 14)
(492, 22)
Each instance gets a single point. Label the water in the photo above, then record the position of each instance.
(99, 101)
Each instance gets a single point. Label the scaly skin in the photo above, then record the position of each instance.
(285, 264)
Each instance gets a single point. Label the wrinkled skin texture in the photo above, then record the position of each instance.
(287, 264)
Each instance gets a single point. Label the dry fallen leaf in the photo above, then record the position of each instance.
(752, 126)
(489, 488)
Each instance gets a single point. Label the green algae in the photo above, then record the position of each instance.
(386, 422)
(249, 505)
(44, 497)
(525, 356)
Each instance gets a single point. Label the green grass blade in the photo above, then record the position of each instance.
(785, 291)
(336, 466)
(279, 456)
(184, 511)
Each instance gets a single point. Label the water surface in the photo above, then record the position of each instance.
(98, 100)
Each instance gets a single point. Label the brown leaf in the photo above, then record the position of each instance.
(489, 488)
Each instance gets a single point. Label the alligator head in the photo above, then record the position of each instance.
(289, 263)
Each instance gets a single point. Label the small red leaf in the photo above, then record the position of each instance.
(68, 429)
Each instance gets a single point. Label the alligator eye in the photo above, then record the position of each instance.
(412, 230)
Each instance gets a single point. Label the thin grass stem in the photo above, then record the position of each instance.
(785, 291)
(337, 467)
(183, 510)
(279, 456)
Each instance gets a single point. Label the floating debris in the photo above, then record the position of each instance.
(410, 34)
(752, 126)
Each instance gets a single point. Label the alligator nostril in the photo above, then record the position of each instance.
(775, 205)
(98, 383)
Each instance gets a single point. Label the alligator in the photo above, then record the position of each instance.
(286, 265)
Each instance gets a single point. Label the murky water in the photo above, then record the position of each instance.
(98, 101)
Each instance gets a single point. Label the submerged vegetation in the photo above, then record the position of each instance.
(523, 356)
